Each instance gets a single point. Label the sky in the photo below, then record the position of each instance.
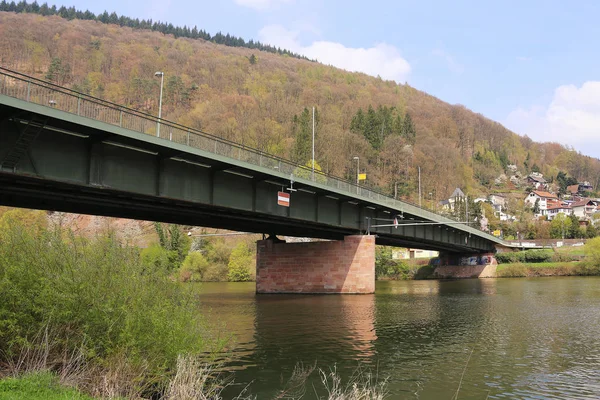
(532, 65)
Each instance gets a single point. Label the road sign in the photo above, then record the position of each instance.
(396, 222)
(283, 199)
(362, 177)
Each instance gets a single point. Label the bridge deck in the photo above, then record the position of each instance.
(95, 157)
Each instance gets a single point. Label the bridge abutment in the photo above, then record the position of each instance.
(343, 267)
(466, 266)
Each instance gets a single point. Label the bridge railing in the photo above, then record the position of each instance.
(33, 90)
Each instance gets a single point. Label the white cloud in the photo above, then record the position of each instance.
(572, 118)
(382, 59)
(261, 5)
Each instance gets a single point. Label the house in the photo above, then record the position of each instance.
(454, 197)
(537, 180)
(498, 199)
(573, 190)
(544, 199)
(585, 187)
(583, 209)
(554, 210)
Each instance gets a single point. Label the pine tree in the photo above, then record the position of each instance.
(408, 129)
(302, 129)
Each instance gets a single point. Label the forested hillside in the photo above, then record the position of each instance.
(264, 100)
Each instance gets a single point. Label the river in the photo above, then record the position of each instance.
(511, 338)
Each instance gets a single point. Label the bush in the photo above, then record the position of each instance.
(97, 295)
(527, 256)
(157, 258)
(240, 264)
(592, 252)
(194, 267)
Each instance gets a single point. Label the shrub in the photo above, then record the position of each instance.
(592, 252)
(156, 258)
(527, 256)
(194, 267)
(240, 264)
(97, 294)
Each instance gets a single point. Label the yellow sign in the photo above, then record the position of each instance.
(362, 177)
(497, 233)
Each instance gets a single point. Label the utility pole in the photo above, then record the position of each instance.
(313, 146)
(467, 209)
(162, 79)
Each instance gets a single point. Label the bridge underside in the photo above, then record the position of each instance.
(85, 166)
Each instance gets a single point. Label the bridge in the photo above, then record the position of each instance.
(66, 151)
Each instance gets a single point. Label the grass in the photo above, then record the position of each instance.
(573, 268)
(38, 386)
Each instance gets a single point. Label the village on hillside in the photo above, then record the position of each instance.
(530, 207)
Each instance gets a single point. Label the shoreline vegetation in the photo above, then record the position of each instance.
(566, 261)
(95, 318)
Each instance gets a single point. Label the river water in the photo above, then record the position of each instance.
(511, 338)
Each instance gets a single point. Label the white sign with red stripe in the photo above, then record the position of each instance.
(283, 199)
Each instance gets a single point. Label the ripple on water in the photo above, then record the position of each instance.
(526, 338)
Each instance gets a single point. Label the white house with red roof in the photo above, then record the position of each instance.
(554, 210)
(546, 199)
(584, 208)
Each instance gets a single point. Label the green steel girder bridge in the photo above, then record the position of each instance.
(65, 151)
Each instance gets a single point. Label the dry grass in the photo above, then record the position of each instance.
(361, 386)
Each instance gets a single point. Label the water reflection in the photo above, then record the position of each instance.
(512, 338)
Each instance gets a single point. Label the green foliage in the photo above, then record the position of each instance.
(96, 295)
(306, 172)
(561, 227)
(564, 181)
(527, 256)
(378, 124)
(175, 244)
(157, 258)
(536, 206)
(37, 386)
(387, 268)
(240, 264)
(302, 131)
(194, 267)
(253, 60)
(58, 72)
(592, 252)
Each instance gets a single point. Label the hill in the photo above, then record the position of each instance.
(263, 100)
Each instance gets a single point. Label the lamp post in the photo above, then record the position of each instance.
(162, 79)
(357, 171)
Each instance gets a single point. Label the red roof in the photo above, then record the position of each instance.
(581, 203)
(573, 189)
(547, 195)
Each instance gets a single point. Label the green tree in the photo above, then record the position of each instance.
(174, 242)
(408, 129)
(306, 172)
(574, 230)
(58, 72)
(536, 206)
(194, 267)
(560, 226)
(302, 130)
(240, 264)
(592, 252)
(253, 60)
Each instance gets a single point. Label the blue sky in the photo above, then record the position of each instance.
(531, 65)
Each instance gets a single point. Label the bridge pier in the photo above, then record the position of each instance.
(465, 266)
(343, 267)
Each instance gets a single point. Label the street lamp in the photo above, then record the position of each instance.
(357, 171)
(162, 78)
